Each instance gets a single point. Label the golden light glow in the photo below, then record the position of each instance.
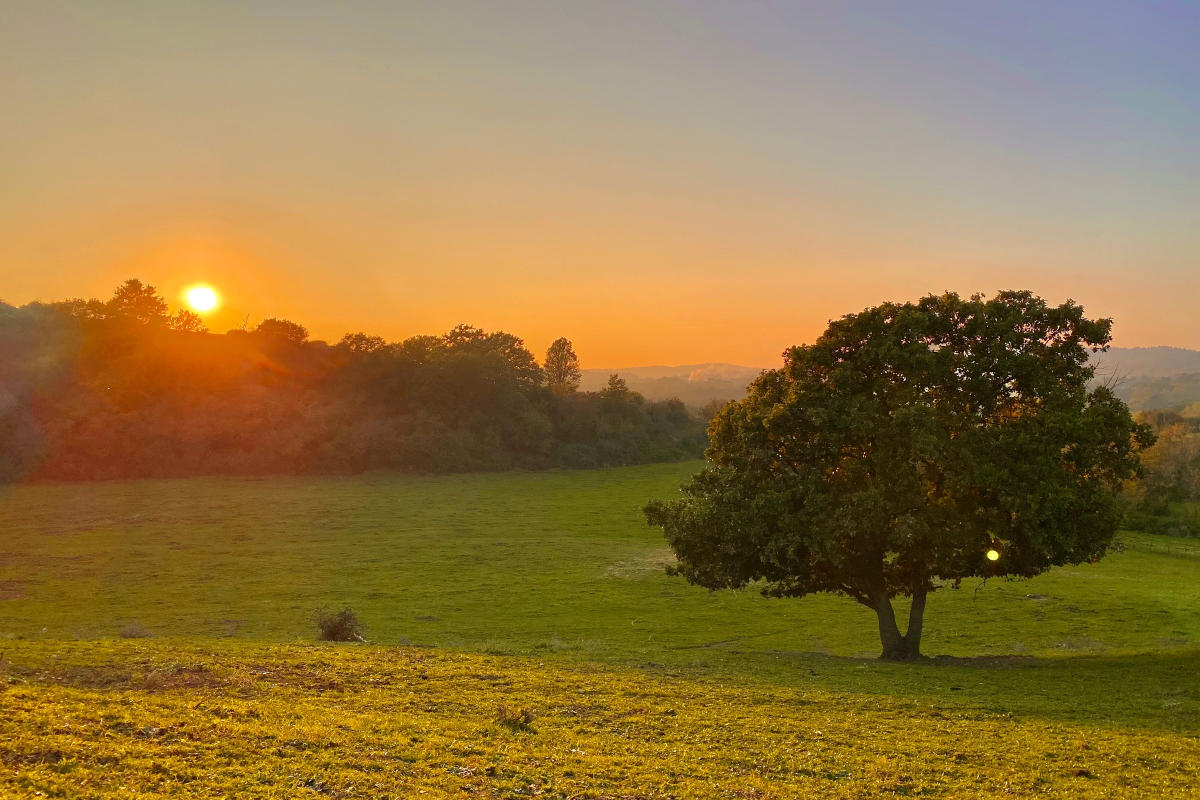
(201, 299)
(993, 555)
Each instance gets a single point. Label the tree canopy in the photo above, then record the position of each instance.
(562, 367)
(890, 456)
(282, 330)
(123, 389)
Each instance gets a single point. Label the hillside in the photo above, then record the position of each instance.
(1145, 377)
(253, 558)
(1147, 362)
(1151, 377)
(229, 719)
(1077, 683)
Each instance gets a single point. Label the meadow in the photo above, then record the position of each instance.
(157, 638)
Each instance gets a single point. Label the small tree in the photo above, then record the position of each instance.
(362, 343)
(910, 446)
(616, 386)
(562, 367)
(186, 321)
(282, 330)
(137, 301)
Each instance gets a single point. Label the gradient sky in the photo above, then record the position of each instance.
(661, 182)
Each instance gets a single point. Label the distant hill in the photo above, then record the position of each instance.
(1151, 377)
(1145, 377)
(695, 384)
(1146, 362)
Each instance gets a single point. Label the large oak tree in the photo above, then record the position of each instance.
(889, 457)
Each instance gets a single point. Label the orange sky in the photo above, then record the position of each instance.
(697, 183)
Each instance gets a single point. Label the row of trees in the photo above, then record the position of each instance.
(122, 388)
(1166, 498)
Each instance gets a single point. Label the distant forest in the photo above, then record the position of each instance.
(120, 388)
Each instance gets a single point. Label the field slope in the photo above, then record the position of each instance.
(150, 720)
(546, 592)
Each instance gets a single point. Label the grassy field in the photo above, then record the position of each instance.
(546, 591)
(235, 719)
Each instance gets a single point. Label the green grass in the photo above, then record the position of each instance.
(517, 562)
(553, 584)
(152, 719)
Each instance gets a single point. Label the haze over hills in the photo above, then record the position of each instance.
(695, 384)
(1151, 377)
(1145, 377)
(1147, 362)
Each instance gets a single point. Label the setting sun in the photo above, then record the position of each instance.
(201, 299)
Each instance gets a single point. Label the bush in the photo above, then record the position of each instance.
(340, 627)
(1177, 523)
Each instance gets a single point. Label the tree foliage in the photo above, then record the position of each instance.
(138, 302)
(1166, 498)
(282, 330)
(186, 321)
(891, 455)
(91, 390)
(362, 343)
(562, 367)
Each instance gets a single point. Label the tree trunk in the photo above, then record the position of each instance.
(916, 621)
(895, 646)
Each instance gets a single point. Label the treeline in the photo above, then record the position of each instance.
(1166, 499)
(120, 388)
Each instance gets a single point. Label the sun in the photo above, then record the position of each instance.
(201, 299)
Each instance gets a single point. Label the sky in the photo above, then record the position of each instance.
(660, 182)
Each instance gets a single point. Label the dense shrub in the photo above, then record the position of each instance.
(342, 626)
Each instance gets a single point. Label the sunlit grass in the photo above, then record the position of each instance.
(546, 593)
(152, 719)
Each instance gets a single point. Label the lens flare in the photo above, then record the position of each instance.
(201, 299)
(993, 555)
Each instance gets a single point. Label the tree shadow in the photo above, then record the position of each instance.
(1158, 691)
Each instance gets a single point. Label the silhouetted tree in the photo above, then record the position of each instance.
(615, 387)
(82, 309)
(136, 301)
(362, 343)
(465, 339)
(282, 330)
(901, 447)
(186, 321)
(562, 367)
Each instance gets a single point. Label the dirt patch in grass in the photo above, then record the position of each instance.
(119, 678)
